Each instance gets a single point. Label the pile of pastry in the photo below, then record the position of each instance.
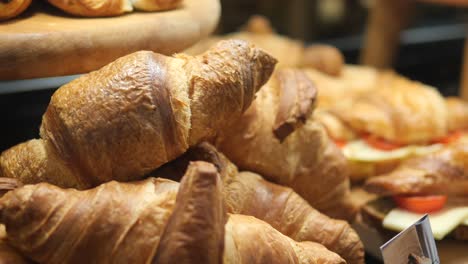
(90, 8)
(405, 144)
(214, 158)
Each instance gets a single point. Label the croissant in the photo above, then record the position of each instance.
(137, 113)
(442, 172)
(103, 8)
(248, 193)
(199, 228)
(278, 139)
(93, 8)
(134, 223)
(13, 8)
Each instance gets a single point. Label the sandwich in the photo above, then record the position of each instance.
(436, 184)
(395, 120)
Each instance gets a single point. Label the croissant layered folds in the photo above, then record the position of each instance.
(142, 222)
(199, 220)
(248, 193)
(299, 155)
(137, 113)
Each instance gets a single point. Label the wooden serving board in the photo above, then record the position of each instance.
(46, 42)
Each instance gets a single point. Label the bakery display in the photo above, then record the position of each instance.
(13, 8)
(145, 115)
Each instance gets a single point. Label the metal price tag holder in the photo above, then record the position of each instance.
(414, 245)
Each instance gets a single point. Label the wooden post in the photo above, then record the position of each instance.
(463, 91)
(387, 19)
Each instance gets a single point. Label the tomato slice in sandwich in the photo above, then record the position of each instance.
(452, 137)
(340, 143)
(421, 204)
(381, 144)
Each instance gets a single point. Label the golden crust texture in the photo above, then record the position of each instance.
(398, 110)
(13, 8)
(115, 222)
(306, 160)
(137, 113)
(149, 221)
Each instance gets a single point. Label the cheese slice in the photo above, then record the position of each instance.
(359, 150)
(442, 223)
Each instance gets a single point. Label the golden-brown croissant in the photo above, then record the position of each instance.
(199, 228)
(12, 8)
(137, 113)
(103, 8)
(248, 193)
(302, 156)
(442, 172)
(142, 222)
(93, 8)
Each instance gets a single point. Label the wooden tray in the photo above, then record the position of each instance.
(46, 42)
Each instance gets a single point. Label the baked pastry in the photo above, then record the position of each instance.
(93, 8)
(102, 8)
(195, 231)
(12, 8)
(147, 221)
(137, 113)
(248, 193)
(278, 139)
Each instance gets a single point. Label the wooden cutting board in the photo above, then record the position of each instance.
(46, 42)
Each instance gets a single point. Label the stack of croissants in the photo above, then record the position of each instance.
(210, 158)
